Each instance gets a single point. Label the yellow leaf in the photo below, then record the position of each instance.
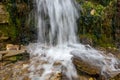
(92, 12)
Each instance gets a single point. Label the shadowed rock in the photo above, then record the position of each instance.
(6, 54)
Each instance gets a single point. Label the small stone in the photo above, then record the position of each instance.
(91, 79)
(12, 47)
(57, 63)
(26, 78)
(25, 66)
(58, 73)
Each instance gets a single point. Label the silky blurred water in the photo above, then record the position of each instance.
(56, 22)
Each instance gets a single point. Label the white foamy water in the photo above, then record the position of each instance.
(60, 25)
(57, 42)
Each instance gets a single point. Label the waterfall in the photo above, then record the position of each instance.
(56, 23)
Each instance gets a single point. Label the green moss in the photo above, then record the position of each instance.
(8, 31)
(101, 42)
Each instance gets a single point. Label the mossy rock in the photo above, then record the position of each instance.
(4, 15)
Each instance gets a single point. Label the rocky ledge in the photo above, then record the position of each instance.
(16, 67)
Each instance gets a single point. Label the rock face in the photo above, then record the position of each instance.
(4, 21)
(4, 15)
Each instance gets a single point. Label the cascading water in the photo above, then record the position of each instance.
(62, 15)
(56, 22)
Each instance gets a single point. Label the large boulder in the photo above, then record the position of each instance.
(94, 67)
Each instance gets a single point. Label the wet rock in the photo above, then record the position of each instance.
(57, 63)
(94, 70)
(84, 66)
(13, 53)
(116, 77)
(14, 71)
(86, 77)
(19, 70)
(54, 76)
(110, 50)
(86, 40)
(25, 65)
(57, 76)
(12, 47)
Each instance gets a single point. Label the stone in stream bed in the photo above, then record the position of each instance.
(19, 71)
(94, 67)
(84, 66)
(54, 76)
(0, 57)
(10, 47)
(15, 71)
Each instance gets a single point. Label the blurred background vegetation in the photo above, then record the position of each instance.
(98, 24)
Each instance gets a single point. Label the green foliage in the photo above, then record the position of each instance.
(104, 2)
(96, 20)
(18, 12)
